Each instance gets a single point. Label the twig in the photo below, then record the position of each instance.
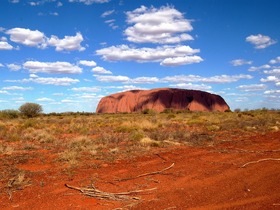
(160, 157)
(261, 160)
(147, 174)
(93, 192)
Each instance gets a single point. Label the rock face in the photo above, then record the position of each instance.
(161, 99)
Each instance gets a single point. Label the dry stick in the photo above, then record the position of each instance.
(261, 160)
(147, 174)
(93, 192)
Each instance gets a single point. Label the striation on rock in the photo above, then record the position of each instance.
(161, 99)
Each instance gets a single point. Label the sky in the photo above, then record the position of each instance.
(67, 54)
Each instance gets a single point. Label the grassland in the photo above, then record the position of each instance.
(66, 142)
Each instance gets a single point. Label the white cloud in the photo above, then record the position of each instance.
(100, 70)
(181, 60)
(260, 41)
(87, 63)
(86, 89)
(119, 78)
(69, 101)
(17, 88)
(44, 99)
(58, 81)
(35, 38)
(27, 37)
(67, 43)
(275, 71)
(272, 92)
(240, 62)
(256, 68)
(274, 78)
(51, 67)
(107, 13)
(4, 92)
(14, 67)
(14, 1)
(5, 46)
(87, 96)
(33, 76)
(214, 79)
(276, 60)
(220, 79)
(54, 13)
(127, 87)
(192, 86)
(152, 25)
(111, 23)
(89, 2)
(158, 54)
(270, 79)
(1, 65)
(252, 87)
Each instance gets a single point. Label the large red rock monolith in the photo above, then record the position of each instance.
(160, 99)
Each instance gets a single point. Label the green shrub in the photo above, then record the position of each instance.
(9, 114)
(30, 109)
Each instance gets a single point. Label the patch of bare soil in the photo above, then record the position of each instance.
(241, 173)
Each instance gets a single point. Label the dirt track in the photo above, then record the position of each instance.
(201, 178)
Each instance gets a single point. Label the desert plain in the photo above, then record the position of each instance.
(170, 160)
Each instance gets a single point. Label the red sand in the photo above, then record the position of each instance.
(202, 178)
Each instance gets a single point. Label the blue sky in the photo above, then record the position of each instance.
(66, 55)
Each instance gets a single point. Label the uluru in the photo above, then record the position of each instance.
(161, 99)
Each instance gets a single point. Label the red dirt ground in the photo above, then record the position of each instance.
(201, 178)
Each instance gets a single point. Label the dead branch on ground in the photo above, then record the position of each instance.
(147, 174)
(261, 160)
(93, 192)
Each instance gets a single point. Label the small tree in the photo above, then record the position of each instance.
(30, 109)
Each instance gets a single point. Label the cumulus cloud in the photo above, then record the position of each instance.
(270, 79)
(87, 63)
(17, 88)
(89, 2)
(192, 86)
(100, 70)
(240, 62)
(257, 68)
(252, 87)
(272, 92)
(181, 60)
(5, 46)
(14, 67)
(35, 38)
(58, 81)
(44, 99)
(165, 25)
(276, 60)
(51, 67)
(127, 87)
(168, 55)
(28, 37)
(125, 79)
(67, 43)
(144, 80)
(86, 89)
(214, 79)
(275, 71)
(177, 79)
(260, 41)
(118, 78)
